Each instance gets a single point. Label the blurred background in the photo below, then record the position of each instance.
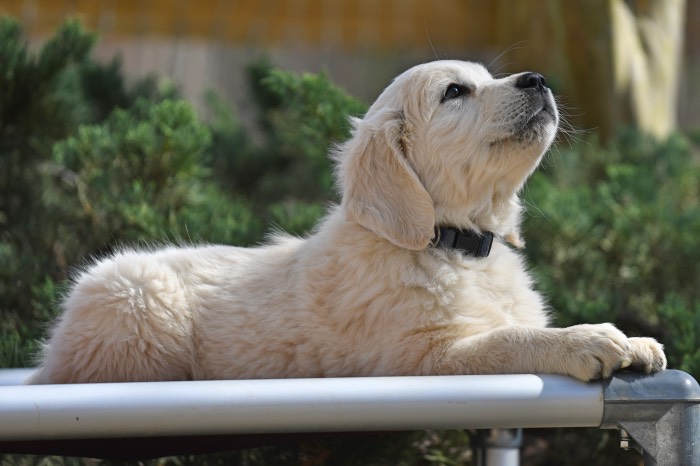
(600, 54)
(126, 122)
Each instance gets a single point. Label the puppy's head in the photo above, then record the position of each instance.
(446, 144)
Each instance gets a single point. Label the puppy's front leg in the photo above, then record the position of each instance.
(586, 352)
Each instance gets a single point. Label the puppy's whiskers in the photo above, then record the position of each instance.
(510, 48)
(427, 35)
(530, 203)
(566, 129)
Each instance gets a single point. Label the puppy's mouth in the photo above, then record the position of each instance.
(543, 114)
(534, 126)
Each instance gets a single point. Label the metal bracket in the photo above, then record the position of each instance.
(658, 414)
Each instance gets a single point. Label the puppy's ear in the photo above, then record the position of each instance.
(380, 189)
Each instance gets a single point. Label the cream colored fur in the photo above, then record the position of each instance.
(365, 294)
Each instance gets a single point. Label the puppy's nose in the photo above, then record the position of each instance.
(531, 80)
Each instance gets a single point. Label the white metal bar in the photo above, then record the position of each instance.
(296, 405)
(14, 376)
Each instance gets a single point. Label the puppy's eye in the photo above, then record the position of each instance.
(455, 90)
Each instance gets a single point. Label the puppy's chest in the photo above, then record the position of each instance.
(488, 289)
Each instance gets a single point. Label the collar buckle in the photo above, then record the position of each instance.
(468, 242)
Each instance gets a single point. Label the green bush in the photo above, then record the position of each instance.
(613, 237)
(287, 174)
(85, 164)
(40, 103)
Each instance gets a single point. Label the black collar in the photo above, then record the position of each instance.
(468, 242)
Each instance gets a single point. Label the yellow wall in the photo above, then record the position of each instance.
(350, 24)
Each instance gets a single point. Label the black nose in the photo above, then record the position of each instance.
(529, 80)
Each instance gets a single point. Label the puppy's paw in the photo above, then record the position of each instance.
(595, 351)
(646, 355)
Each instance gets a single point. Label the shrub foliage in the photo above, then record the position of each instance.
(613, 237)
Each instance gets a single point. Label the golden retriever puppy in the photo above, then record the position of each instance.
(410, 275)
